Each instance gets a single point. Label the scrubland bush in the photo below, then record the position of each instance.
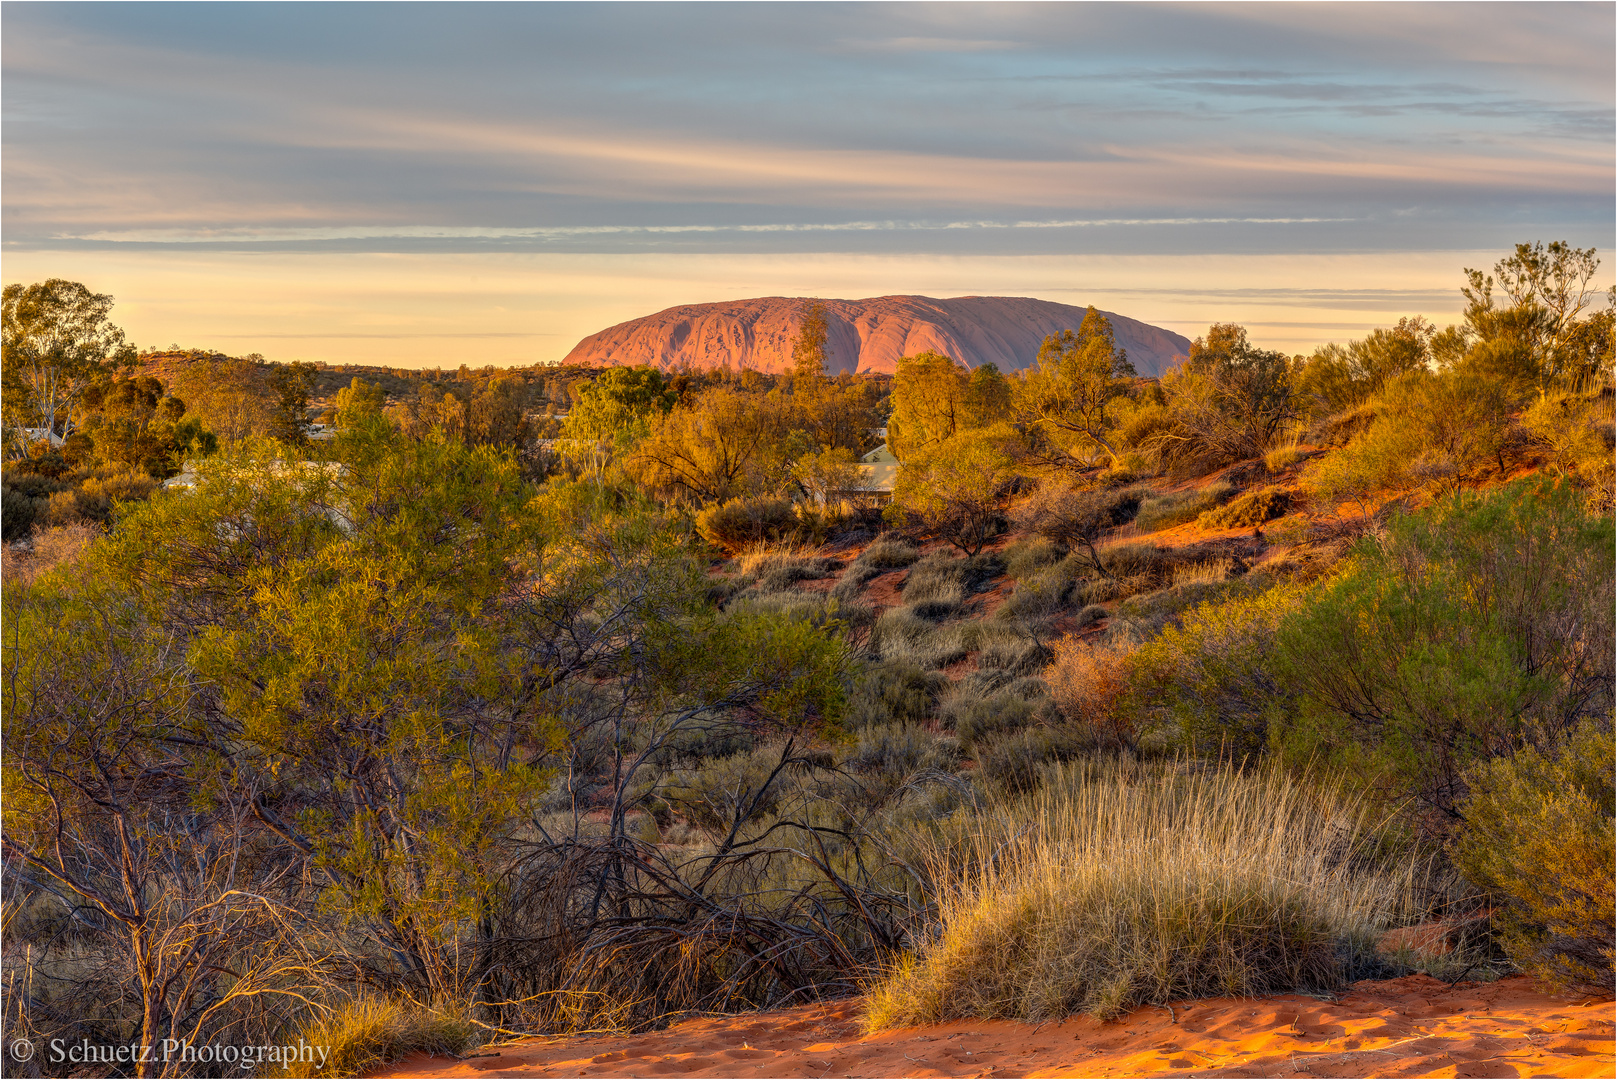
(742, 523)
(1538, 834)
(1105, 890)
(901, 634)
(1468, 627)
(888, 553)
(1248, 511)
(1027, 557)
(1087, 682)
(894, 693)
(1165, 511)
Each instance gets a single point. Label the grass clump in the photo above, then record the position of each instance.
(370, 1031)
(1249, 510)
(1283, 458)
(1166, 511)
(1102, 891)
(888, 553)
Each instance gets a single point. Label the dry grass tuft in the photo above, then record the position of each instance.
(1105, 890)
(367, 1032)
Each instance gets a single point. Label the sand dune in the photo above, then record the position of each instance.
(1414, 1026)
(864, 335)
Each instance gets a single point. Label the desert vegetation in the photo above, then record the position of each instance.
(476, 720)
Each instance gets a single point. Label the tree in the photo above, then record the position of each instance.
(726, 442)
(1229, 400)
(935, 398)
(57, 340)
(958, 488)
(1078, 374)
(357, 402)
(619, 406)
(1533, 338)
(291, 385)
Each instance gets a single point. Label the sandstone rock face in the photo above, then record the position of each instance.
(864, 335)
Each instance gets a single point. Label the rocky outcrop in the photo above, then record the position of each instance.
(864, 335)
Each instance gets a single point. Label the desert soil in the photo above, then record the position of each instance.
(1413, 1026)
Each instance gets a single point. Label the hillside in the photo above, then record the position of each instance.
(864, 335)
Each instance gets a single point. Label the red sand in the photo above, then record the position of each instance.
(1414, 1026)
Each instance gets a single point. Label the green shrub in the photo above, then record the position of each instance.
(977, 716)
(1539, 834)
(741, 523)
(899, 751)
(1104, 891)
(17, 513)
(1482, 621)
(1016, 762)
(1248, 511)
(1165, 511)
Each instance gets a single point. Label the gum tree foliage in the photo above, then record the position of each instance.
(1076, 377)
(619, 405)
(936, 398)
(1521, 322)
(55, 341)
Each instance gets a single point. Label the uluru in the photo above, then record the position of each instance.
(864, 336)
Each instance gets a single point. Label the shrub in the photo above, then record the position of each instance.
(1484, 620)
(1135, 560)
(943, 577)
(900, 634)
(888, 553)
(978, 717)
(1212, 681)
(1087, 683)
(1025, 558)
(371, 1031)
(742, 523)
(1248, 511)
(1539, 833)
(1102, 892)
(899, 751)
(1165, 511)
(894, 693)
(1341, 428)
(17, 513)
(1016, 762)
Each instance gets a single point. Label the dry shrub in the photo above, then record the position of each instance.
(371, 1031)
(52, 548)
(1104, 890)
(1086, 683)
(1165, 511)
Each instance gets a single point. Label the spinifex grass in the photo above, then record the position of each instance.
(1108, 889)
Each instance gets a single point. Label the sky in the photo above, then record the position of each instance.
(431, 185)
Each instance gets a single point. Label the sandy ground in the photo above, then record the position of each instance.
(1414, 1026)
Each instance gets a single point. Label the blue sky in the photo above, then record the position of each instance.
(315, 175)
